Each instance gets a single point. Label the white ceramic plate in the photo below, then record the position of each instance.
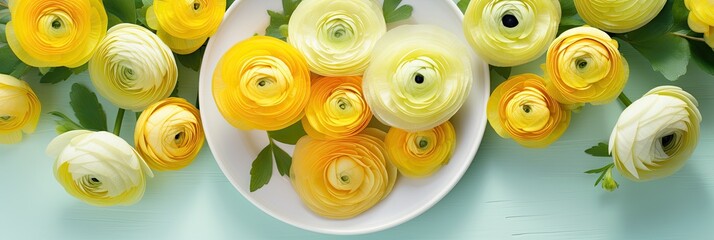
(235, 150)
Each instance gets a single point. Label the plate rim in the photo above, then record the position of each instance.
(391, 223)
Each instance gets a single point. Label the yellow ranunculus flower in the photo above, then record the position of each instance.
(19, 111)
(421, 154)
(583, 65)
(520, 108)
(511, 32)
(655, 136)
(55, 33)
(336, 36)
(342, 178)
(701, 18)
(418, 78)
(184, 25)
(99, 168)
(618, 16)
(169, 134)
(261, 83)
(336, 108)
(132, 68)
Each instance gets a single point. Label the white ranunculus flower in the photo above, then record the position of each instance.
(656, 135)
(133, 68)
(99, 168)
(336, 36)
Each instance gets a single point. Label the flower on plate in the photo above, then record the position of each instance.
(618, 16)
(19, 111)
(418, 78)
(336, 36)
(583, 65)
(185, 25)
(132, 68)
(655, 136)
(99, 168)
(511, 32)
(336, 108)
(169, 134)
(344, 177)
(261, 83)
(55, 33)
(520, 108)
(421, 154)
(701, 18)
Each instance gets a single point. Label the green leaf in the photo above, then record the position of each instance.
(3, 37)
(64, 123)
(569, 16)
(56, 75)
(463, 4)
(276, 21)
(289, 135)
(703, 55)
(112, 20)
(599, 150)
(668, 55)
(282, 160)
(229, 3)
(4, 16)
(193, 60)
(9, 60)
(87, 108)
(262, 169)
(124, 9)
(80, 69)
(602, 172)
(659, 26)
(680, 15)
(393, 12)
(289, 6)
(20, 70)
(504, 72)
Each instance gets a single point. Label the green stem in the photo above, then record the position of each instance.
(624, 99)
(688, 37)
(117, 122)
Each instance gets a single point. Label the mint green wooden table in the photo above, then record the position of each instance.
(509, 192)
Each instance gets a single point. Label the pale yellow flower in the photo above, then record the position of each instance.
(19, 111)
(655, 136)
(520, 108)
(132, 68)
(418, 78)
(583, 65)
(701, 18)
(54, 33)
(336, 36)
(421, 154)
(511, 32)
(98, 168)
(342, 178)
(261, 83)
(618, 16)
(184, 25)
(336, 108)
(169, 134)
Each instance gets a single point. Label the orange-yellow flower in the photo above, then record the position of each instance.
(342, 178)
(169, 134)
(185, 25)
(336, 108)
(701, 18)
(583, 65)
(54, 33)
(421, 154)
(19, 111)
(520, 108)
(261, 83)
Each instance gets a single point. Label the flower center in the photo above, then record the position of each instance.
(527, 108)
(342, 104)
(669, 143)
(509, 21)
(5, 118)
(178, 136)
(345, 179)
(56, 24)
(581, 64)
(422, 142)
(418, 78)
(262, 83)
(196, 5)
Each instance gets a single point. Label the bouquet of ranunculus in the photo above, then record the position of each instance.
(129, 65)
(655, 135)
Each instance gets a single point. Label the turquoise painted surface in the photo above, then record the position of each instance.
(509, 192)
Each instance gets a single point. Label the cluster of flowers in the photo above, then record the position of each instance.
(129, 65)
(339, 68)
(653, 137)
